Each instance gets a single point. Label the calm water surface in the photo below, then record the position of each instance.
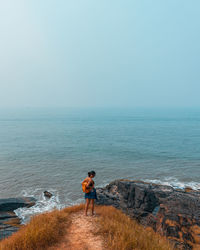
(53, 149)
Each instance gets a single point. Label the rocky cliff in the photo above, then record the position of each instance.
(9, 222)
(170, 212)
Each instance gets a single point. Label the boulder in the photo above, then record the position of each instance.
(9, 222)
(172, 213)
(48, 194)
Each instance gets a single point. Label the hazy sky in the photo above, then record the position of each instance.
(99, 53)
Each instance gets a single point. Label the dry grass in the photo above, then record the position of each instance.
(43, 231)
(123, 233)
(118, 230)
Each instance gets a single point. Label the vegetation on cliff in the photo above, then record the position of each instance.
(123, 233)
(118, 231)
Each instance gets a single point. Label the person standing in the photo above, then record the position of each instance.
(90, 191)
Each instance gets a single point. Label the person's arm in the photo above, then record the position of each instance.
(90, 184)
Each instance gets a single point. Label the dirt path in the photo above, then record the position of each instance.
(81, 234)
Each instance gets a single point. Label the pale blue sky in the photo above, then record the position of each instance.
(99, 53)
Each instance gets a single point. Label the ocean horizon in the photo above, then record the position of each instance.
(54, 148)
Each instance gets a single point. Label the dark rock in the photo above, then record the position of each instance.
(7, 215)
(9, 222)
(48, 194)
(172, 213)
(14, 203)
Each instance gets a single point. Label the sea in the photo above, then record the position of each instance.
(54, 148)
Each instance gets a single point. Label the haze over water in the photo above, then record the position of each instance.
(97, 54)
(55, 148)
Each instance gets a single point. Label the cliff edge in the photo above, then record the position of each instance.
(172, 213)
(9, 222)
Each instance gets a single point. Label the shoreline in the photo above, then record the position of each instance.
(174, 213)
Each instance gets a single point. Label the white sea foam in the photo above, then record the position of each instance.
(43, 204)
(175, 183)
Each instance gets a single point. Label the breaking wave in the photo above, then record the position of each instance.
(175, 183)
(43, 204)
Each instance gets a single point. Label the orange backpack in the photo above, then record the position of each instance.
(85, 188)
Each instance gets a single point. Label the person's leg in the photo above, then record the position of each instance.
(87, 203)
(92, 201)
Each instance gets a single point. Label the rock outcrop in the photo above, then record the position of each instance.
(48, 194)
(172, 213)
(9, 222)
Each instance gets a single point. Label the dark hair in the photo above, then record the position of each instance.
(91, 173)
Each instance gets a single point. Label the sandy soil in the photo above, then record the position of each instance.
(81, 234)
